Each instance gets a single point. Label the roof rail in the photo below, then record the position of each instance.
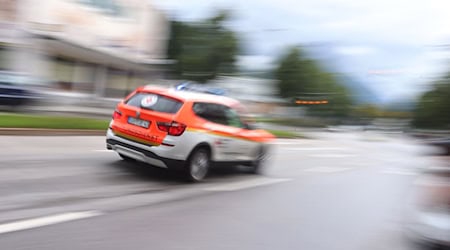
(188, 86)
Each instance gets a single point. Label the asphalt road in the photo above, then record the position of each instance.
(338, 191)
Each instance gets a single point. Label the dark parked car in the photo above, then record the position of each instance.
(14, 90)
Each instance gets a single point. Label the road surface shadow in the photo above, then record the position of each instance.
(138, 171)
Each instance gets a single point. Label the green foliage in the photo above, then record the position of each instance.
(202, 50)
(287, 74)
(285, 134)
(297, 122)
(433, 108)
(51, 122)
(396, 114)
(298, 76)
(339, 101)
(366, 111)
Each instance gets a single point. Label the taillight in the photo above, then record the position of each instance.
(116, 114)
(172, 128)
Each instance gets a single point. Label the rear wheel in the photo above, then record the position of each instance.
(198, 164)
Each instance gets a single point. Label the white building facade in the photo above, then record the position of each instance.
(104, 48)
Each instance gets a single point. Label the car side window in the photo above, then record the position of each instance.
(218, 113)
(211, 112)
(233, 118)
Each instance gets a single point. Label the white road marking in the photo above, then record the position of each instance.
(102, 150)
(326, 169)
(398, 172)
(288, 142)
(333, 155)
(247, 184)
(317, 148)
(283, 143)
(46, 220)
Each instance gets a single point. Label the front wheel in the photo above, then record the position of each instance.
(260, 161)
(198, 164)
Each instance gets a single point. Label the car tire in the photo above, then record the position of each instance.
(197, 165)
(260, 161)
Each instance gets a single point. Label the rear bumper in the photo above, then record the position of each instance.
(140, 152)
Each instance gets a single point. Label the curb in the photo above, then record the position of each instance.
(54, 132)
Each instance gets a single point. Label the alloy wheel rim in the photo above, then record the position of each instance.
(199, 165)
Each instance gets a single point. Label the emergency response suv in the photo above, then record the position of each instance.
(186, 130)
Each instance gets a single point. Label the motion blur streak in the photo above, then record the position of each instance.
(358, 93)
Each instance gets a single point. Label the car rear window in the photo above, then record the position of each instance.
(155, 102)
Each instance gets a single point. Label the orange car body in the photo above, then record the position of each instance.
(163, 126)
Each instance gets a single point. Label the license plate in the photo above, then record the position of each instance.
(138, 122)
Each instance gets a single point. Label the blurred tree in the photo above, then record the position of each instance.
(433, 108)
(299, 76)
(293, 73)
(366, 111)
(202, 50)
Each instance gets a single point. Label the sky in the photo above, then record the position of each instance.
(394, 47)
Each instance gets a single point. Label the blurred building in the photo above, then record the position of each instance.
(97, 47)
(258, 94)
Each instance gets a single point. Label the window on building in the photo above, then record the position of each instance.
(108, 7)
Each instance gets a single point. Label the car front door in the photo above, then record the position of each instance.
(244, 146)
(222, 135)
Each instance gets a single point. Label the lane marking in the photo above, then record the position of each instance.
(398, 172)
(326, 169)
(46, 221)
(102, 150)
(317, 148)
(333, 155)
(247, 184)
(286, 143)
